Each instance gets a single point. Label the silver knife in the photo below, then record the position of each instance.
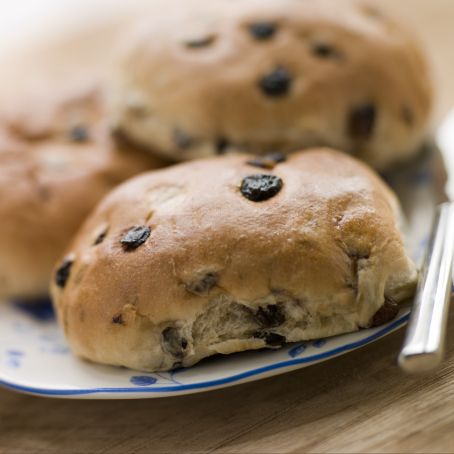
(423, 348)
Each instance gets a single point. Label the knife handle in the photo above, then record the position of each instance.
(423, 347)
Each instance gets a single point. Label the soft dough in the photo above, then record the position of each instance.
(230, 254)
(263, 75)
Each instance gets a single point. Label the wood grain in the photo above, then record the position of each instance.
(360, 402)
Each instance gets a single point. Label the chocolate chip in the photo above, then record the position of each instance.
(407, 115)
(118, 319)
(272, 339)
(267, 161)
(63, 272)
(79, 133)
(200, 42)
(276, 83)
(173, 342)
(260, 187)
(204, 285)
(270, 316)
(324, 50)
(386, 313)
(135, 237)
(221, 145)
(100, 238)
(361, 122)
(262, 30)
(182, 139)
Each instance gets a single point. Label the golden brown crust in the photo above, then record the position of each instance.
(56, 162)
(208, 270)
(258, 75)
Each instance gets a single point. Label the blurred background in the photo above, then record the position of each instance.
(71, 33)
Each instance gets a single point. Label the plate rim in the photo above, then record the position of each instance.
(219, 382)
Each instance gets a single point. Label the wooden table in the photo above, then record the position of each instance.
(359, 402)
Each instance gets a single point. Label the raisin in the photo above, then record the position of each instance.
(173, 342)
(135, 237)
(270, 316)
(262, 30)
(260, 187)
(200, 42)
(79, 133)
(276, 83)
(272, 339)
(118, 319)
(204, 285)
(100, 238)
(386, 313)
(221, 145)
(267, 161)
(63, 272)
(182, 139)
(324, 50)
(361, 122)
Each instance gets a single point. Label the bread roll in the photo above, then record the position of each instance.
(265, 75)
(230, 254)
(57, 160)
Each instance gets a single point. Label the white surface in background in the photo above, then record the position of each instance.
(23, 20)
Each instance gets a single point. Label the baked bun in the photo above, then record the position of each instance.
(265, 75)
(230, 254)
(57, 161)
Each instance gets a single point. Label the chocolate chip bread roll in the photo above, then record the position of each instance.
(57, 160)
(230, 254)
(261, 75)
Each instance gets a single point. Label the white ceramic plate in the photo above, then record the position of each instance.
(34, 357)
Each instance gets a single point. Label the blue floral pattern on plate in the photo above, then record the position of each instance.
(35, 358)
